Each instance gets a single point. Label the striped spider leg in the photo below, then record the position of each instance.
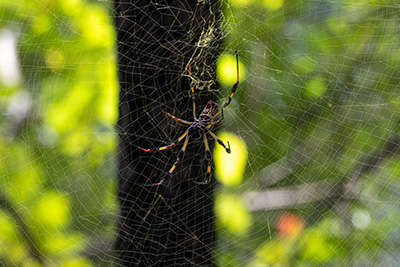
(204, 123)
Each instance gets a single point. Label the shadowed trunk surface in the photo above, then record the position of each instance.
(171, 224)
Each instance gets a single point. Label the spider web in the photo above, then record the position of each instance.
(313, 176)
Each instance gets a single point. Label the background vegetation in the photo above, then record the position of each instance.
(315, 120)
(57, 139)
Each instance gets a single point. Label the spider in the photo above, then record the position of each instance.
(204, 123)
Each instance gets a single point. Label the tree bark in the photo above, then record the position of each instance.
(171, 224)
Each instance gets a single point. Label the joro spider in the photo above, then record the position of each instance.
(204, 124)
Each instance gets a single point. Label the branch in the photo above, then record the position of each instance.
(23, 227)
(293, 196)
(319, 191)
(284, 167)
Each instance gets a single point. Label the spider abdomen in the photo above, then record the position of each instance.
(209, 110)
(204, 123)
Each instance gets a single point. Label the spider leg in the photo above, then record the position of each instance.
(220, 120)
(192, 90)
(207, 176)
(233, 89)
(178, 159)
(228, 149)
(178, 119)
(168, 146)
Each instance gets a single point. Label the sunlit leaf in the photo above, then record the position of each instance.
(273, 4)
(315, 87)
(276, 252)
(41, 23)
(67, 114)
(304, 65)
(95, 26)
(229, 168)
(77, 142)
(227, 69)
(66, 244)
(315, 244)
(24, 181)
(52, 210)
(240, 3)
(71, 7)
(11, 248)
(107, 104)
(77, 262)
(55, 59)
(232, 213)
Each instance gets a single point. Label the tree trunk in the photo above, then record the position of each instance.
(171, 224)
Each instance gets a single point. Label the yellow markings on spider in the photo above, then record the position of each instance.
(206, 144)
(229, 168)
(183, 136)
(185, 144)
(208, 117)
(172, 169)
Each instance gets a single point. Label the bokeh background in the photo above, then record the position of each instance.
(314, 176)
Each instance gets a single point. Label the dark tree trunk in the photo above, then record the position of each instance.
(171, 224)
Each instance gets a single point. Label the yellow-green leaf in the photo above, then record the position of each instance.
(232, 213)
(227, 69)
(229, 168)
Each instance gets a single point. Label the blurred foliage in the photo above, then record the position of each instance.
(57, 139)
(320, 98)
(318, 89)
(229, 168)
